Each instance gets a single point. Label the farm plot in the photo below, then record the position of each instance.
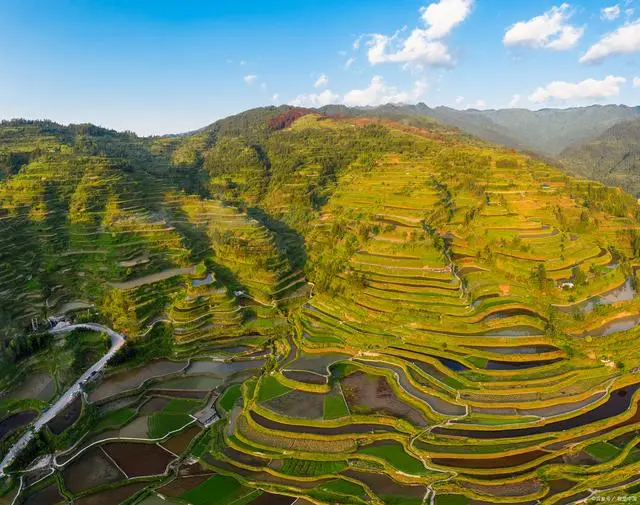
(138, 459)
(132, 379)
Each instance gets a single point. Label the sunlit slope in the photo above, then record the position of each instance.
(445, 321)
(471, 331)
(461, 239)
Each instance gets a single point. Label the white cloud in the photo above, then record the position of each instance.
(263, 85)
(316, 99)
(587, 89)
(515, 100)
(416, 49)
(378, 92)
(441, 17)
(250, 79)
(625, 39)
(479, 104)
(629, 12)
(550, 30)
(459, 99)
(568, 37)
(610, 13)
(349, 62)
(275, 97)
(423, 45)
(322, 81)
(636, 82)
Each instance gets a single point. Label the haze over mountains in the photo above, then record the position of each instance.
(570, 136)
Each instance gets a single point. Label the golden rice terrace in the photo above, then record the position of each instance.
(315, 309)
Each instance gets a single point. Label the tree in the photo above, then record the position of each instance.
(539, 276)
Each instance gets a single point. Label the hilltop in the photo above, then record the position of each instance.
(612, 157)
(407, 314)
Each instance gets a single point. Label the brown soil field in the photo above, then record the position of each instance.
(321, 430)
(521, 488)
(154, 404)
(47, 496)
(112, 496)
(383, 485)
(182, 484)
(501, 462)
(178, 393)
(179, 443)
(365, 394)
(306, 377)
(139, 459)
(273, 499)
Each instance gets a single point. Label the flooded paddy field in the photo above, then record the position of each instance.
(316, 363)
(300, 404)
(67, 417)
(508, 366)
(367, 394)
(15, 421)
(618, 402)
(93, 468)
(355, 428)
(132, 379)
(516, 349)
(223, 369)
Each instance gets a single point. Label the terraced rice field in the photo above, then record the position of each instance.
(489, 384)
(463, 330)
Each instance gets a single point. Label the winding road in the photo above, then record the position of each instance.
(117, 341)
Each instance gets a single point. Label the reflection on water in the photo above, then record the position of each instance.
(621, 324)
(623, 293)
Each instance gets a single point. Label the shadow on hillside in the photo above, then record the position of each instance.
(199, 243)
(288, 240)
(195, 238)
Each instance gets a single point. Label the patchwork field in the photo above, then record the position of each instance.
(400, 316)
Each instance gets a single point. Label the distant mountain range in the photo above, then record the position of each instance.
(612, 157)
(599, 142)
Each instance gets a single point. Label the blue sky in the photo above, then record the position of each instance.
(166, 66)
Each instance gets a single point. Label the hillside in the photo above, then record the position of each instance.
(613, 157)
(546, 131)
(381, 311)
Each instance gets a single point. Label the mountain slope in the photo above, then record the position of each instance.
(613, 157)
(547, 131)
(377, 311)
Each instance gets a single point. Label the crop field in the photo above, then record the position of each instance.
(439, 321)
